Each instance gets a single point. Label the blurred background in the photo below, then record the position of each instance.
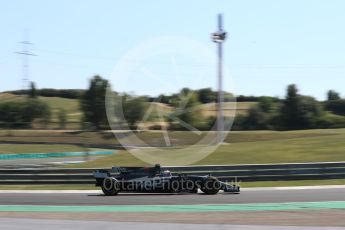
(286, 104)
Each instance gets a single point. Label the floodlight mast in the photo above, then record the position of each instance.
(219, 37)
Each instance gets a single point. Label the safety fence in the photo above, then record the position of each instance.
(252, 172)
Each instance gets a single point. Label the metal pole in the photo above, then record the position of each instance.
(219, 37)
(220, 97)
(220, 126)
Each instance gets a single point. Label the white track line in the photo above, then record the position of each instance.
(294, 188)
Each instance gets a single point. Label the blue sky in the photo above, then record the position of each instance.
(271, 44)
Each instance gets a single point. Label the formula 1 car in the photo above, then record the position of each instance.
(156, 180)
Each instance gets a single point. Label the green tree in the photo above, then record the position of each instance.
(164, 99)
(36, 109)
(332, 95)
(33, 91)
(290, 112)
(62, 118)
(22, 114)
(336, 106)
(206, 95)
(134, 109)
(93, 103)
(256, 119)
(266, 104)
(187, 114)
(260, 116)
(299, 112)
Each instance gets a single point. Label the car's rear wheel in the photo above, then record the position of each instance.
(110, 186)
(210, 186)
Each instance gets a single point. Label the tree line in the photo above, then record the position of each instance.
(205, 95)
(64, 93)
(293, 112)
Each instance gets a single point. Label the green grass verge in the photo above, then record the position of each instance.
(121, 158)
(31, 148)
(304, 148)
(254, 148)
(57, 136)
(177, 138)
(251, 147)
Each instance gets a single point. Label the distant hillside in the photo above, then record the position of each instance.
(230, 108)
(71, 106)
(74, 114)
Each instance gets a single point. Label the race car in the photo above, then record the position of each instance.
(156, 180)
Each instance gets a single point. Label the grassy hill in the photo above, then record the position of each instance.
(230, 108)
(210, 109)
(72, 107)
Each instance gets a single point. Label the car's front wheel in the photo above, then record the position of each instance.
(210, 186)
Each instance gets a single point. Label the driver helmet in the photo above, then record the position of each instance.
(167, 173)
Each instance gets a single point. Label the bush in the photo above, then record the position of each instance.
(134, 110)
(21, 114)
(331, 121)
(336, 106)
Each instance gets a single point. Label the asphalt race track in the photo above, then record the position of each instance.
(33, 224)
(246, 196)
(318, 208)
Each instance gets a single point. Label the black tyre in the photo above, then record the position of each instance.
(175, 186)
(210, 186)
(110, 186)
(192, 187)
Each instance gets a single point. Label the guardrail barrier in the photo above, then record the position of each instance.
(251, 172)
